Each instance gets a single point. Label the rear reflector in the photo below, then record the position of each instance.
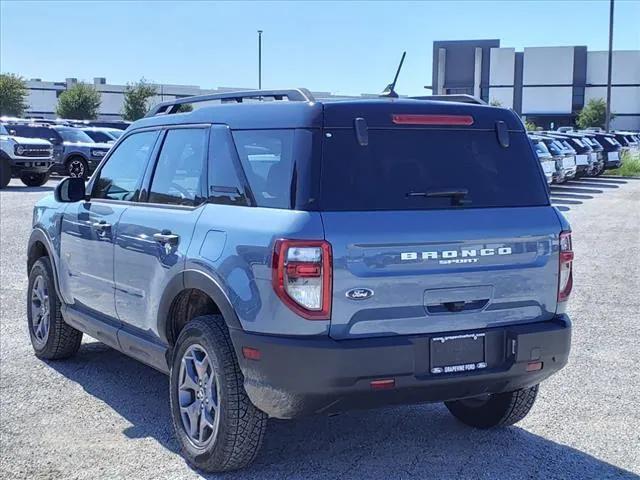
(383, 384)
(412, 119)
(251, 353)
(534, 366)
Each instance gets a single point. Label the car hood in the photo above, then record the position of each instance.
(87, 145)
(30, 141)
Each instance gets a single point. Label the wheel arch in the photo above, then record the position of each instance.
(187, 296)
(39, 246)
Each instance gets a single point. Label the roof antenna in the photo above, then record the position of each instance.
(390, 91)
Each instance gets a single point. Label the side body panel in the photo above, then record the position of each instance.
(233, 245)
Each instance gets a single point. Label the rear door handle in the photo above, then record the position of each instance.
(166, 238)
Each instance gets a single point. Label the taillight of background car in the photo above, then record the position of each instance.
(302, 277)
(565, 277)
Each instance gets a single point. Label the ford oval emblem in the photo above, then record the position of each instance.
(359, 293)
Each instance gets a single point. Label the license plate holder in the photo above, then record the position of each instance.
(458, 353)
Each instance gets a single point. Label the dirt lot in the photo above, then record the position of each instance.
(102, 415)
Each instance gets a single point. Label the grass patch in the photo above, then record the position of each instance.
(630, 166)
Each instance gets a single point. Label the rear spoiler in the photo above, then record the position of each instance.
(459, 98)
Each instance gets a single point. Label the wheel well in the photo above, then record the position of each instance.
(36, 251)
(187, 305)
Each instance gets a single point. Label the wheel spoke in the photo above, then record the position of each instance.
(202, 366)
(188, 376)
(193, 413)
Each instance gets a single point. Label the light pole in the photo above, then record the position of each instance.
(259, 59)
(607, 120)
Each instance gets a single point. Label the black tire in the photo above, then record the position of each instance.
(77, 167)
(496, 410)
(5, 172)
(240, 425)
(62, 340)
(34, 179)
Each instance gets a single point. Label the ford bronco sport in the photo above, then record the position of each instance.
(278, 256)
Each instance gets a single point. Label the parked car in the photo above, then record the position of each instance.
(103, 134)
(286, 258)
(74, 152)
(119, 124)
(565, 162)
(547, 162)
(25, 158)
(585, 164)
(612, 150)
(628, 140)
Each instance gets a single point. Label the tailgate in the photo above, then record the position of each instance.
(410, 272)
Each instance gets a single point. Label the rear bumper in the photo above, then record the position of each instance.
(296, 377)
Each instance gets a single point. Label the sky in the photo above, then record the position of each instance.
(340, 47)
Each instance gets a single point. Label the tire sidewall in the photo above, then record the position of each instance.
(34, 179)
(43, 268)
(191, 335)
(5, 172)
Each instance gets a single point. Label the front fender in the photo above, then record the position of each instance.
(39, 237)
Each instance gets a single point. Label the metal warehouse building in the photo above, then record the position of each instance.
(544, 84)
(43, 96)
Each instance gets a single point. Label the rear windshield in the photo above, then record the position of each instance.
(418, 169)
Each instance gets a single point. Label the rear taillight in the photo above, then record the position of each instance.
(565, 274)
(302, 277)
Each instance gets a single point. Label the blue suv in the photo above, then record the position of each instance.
(278, 256)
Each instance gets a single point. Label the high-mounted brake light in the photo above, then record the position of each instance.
(415, 119)
(302, 277)
(565, 272)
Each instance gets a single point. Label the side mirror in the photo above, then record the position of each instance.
(70, 190)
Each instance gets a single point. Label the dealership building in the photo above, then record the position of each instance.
(546, 85)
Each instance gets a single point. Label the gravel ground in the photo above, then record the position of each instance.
(102, 415)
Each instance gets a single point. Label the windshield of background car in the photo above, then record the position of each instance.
(409, 169)
(74, 135)
(3, 131)
(541, 149)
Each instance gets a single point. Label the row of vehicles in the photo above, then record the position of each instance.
(567, 154)
(31, 149)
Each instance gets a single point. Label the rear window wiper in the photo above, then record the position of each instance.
(457, 195)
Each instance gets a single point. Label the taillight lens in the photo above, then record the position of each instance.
(565, 276)
(302, 277)
(430, 119)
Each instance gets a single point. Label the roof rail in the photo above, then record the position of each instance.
(461, 98)
(293, 95)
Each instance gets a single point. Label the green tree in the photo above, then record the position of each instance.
(530, 126)
(185, 107)
(13, 92)
(136, 100)
(593, 114)
(80, 102)
(495, 103)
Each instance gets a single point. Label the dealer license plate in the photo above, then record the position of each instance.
(458, 353)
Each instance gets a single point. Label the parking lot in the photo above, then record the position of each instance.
(103, 415)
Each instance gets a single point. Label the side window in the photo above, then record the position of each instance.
(119, 178)
(225, 186)
(178, 176)
(267, 159)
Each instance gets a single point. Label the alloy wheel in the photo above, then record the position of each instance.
(76, 169)
(198, 396)
(40, 311)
